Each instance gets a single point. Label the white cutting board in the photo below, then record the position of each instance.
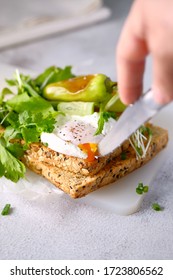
(119, 197)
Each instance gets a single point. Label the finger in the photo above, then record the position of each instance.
(130, 67)
(130, 57)
(163, 79)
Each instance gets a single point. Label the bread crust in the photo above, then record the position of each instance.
(78, 184)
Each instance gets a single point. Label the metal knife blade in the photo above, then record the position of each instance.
(132, 118)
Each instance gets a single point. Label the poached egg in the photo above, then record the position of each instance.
(71, 131)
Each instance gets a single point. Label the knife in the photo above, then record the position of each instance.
(132, 118)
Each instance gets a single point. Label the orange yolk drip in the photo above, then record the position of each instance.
(76, 84)
(91, 149)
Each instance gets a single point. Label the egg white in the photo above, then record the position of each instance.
(70, 131)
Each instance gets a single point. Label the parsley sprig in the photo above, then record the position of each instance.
(25, 116)
(104, 117)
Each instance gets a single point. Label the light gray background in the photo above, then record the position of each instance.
(58, 228)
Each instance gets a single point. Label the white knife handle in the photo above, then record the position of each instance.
(149, 101)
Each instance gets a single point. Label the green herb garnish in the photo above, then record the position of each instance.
(145, 130)
(141, 189)
(6, 210)
(123, 155)
(156, 207)
(140, 141)
(104, 117)
(25, 116)
(10, 167)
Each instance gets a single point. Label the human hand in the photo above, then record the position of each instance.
(147, 30)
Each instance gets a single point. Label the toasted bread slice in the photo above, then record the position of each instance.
(78, 185)
(39, 152)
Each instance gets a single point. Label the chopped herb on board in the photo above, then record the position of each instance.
(144, 189)
(6, 210)
(157, 207)
(141, 189)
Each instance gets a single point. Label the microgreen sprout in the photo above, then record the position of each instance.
(140, 141)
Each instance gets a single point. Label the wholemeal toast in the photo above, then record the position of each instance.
(41, 153)
(78, 184)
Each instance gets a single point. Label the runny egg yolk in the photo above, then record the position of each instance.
(91, 149)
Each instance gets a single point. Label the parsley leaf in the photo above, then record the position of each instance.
(22, 102)
(30, 125)
(25, 116)
(10, 166)
(104, 117)
(1, 169)
(52, 74)
(11, 139)
(3, 93)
